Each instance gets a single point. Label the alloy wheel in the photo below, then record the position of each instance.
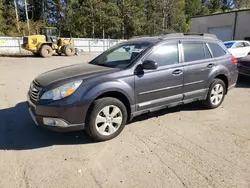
(216, 95)
(108, 120)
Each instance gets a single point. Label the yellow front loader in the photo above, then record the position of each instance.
(48, 43)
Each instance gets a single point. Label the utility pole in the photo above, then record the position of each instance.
(17, 19)
(27, 17)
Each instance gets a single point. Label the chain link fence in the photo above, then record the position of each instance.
(12, 45)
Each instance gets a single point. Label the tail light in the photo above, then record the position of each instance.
(234, 60)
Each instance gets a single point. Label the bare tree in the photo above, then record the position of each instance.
(27, 17)
(167, 6)
(17, 18)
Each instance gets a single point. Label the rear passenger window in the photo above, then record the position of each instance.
(239, 45)
(217, 50)
(194, 52)
(246, 44)
(167, 54)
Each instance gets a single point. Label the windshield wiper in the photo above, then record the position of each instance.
(103, 65)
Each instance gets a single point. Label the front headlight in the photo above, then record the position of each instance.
(62, 91)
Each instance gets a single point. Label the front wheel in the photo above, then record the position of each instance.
(216, 94)
(107, 119)
(46, 51)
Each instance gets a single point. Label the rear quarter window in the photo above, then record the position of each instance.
(217, 50)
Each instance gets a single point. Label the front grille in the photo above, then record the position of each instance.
(34, 92)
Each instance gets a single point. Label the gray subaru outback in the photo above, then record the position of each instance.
(141, 75)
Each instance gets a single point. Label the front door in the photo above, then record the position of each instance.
(164, 85)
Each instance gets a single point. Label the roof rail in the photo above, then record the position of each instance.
(141, 36)
(176, 35)
(205, 35)
(168, 35)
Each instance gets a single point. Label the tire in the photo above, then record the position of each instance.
(46, 51)
(216, 94)
(69, 50)
(109, 126)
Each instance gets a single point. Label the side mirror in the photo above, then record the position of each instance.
(149, 65)
(127, 49)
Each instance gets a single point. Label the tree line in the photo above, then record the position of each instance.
(107, 18)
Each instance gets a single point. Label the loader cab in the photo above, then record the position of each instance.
(51, 34)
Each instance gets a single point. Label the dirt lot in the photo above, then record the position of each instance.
(185, 146)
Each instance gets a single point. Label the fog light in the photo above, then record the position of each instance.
(54, 122)
(50, 122)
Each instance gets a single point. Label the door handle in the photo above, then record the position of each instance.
(177, 72)
(211, 65)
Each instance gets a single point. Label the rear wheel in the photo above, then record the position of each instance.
(216, 94)
(46, 51)
(69, 50)
(107, 119)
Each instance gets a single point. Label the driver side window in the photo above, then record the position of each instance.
(166, 54)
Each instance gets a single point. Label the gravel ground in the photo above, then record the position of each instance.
(186, 146)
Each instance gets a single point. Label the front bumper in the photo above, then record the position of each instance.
(51, 120)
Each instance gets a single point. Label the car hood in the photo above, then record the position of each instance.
(65, 74)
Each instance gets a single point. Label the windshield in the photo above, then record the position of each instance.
(229, 44)
(121, 55)
(48, 31)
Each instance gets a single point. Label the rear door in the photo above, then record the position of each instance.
(163, 85)
(197, 64)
